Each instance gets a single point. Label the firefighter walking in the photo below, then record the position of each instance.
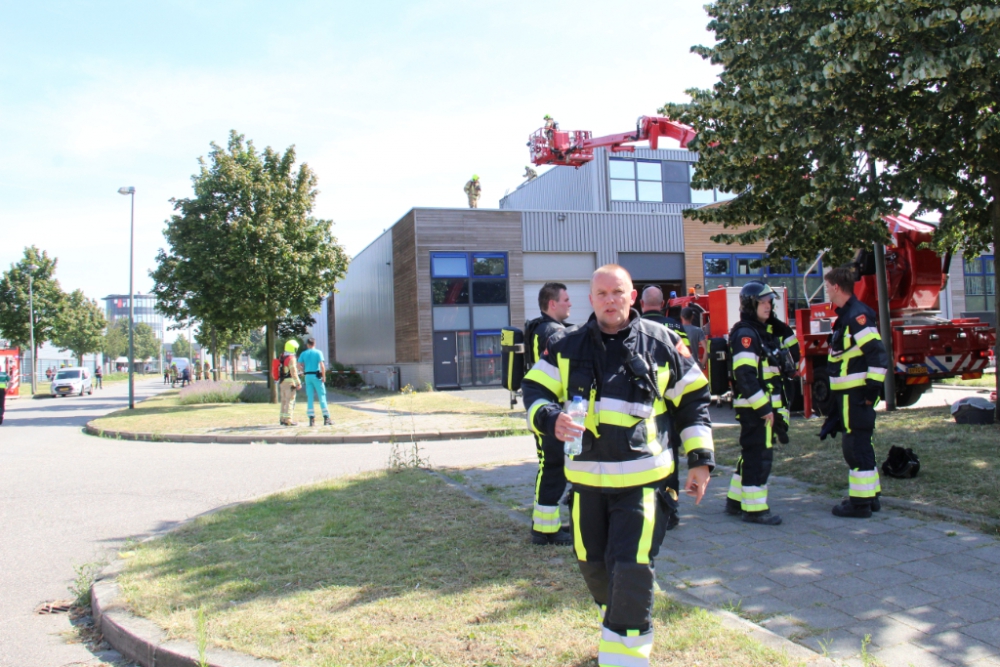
(857, 368)
(758, 404)
(288, 382)
(641, 385)
(550, 482)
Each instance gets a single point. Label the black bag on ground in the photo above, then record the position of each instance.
(901, 463)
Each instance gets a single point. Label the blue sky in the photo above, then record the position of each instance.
(393, 104)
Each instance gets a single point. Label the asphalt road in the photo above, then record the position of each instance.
(67, 499)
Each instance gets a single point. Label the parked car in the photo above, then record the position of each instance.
(69, 381)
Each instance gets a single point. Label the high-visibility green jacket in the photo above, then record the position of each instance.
(4, 379)
(629, 419)
(857, 358)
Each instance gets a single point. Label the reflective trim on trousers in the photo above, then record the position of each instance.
(754, 498)
(624, 650)
(755, 402)
(863, 483)
(648, 524)
(736, 488)
(545, 519)
(620, 474)
(578, 546)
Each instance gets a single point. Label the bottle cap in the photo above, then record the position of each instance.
(578, 398)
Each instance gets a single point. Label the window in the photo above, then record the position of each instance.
(489, 291)
(449, 291)
(709, 196)
(487, 358)
(980, 280)
(449, 265)
(636, 180)
(489, 265)
(736, 270)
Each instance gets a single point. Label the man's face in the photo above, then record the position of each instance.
(611, 297)
(837, 295)
(764, 307)
(559, 308)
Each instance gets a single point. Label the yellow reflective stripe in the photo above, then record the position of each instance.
(744, 362)
(648, 523)
(510, 370)
(614, 418)
(846, 416)
(581, 551)
(531, 414)
(564, 375)
(534, 347)
(698, 436)
(693, 380)
(768, 435)
(547, 375)
(652, 442)
(662, 378)
(620, 474)
(876, 374)
(659, 407)
(590, 422)
(790, 341)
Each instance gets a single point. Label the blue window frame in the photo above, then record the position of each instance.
(487, 344)
(489, 264)
(980, 282)
(449, 265)
(726, 270)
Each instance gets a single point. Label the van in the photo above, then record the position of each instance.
(181, 363)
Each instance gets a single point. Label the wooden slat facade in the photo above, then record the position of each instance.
(404, 290)
(458, 230)
(697, 243)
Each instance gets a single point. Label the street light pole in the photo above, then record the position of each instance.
(31, 314)
(131, 301)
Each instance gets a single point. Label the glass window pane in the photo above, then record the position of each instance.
(449, 266)
(464, 341)
(975, 304)
(487, 344)
(717, 266)
(676, 193)
(648, 171)
(449, 291)
(973, 266)
(783, 269)
(677, 172)
(815, 285)
(748, 266)
(621, 169)
(974, 285)
(489, 266)
(450, 318)
(623, 190)
(650, 191)
(711, 283)
(702, 196)
(490, 317)
(988, 265)
(489, 291)
(488, 371)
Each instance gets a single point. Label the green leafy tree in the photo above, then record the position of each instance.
(814, 94)
(15, 321)
(114, 342)
(180, 347)
(147, 345)
(245, 251)
(81, 326)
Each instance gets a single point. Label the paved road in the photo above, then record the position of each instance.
(67, 499)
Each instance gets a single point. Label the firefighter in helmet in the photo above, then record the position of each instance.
(473, 189)
(550, 126)
(288, 382)
(757, 402)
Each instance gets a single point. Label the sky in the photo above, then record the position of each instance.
(392, 104)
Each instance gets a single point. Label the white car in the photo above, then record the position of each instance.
(69, 381)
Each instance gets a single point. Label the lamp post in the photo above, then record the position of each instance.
(129, 190)
(31, 324)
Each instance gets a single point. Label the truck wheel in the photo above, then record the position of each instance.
(908, 394)
(822, 396)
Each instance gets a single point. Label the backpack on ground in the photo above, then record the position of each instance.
(901, 463)
(517, 359)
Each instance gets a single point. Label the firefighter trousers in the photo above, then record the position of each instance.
(616, 536)
(859, 426)
(286, 392)
(749, 484)
(550, 484)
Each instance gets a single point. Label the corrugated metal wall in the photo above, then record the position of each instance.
(363, 309)
(606, 234)
(558, 189)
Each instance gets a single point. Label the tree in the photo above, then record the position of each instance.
(114, 342)
(146, 344)
(245, 251)
(180, 347)
(14, 303)
(813, 94)
(81, 326)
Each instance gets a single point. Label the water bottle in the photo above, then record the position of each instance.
(578, 412)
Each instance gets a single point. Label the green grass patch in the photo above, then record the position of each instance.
(392, 569)
(988, 381)
(959, 465)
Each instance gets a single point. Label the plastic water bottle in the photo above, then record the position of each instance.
(578, 412)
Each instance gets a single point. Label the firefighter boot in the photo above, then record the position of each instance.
(733, 507)
(312, 421)
(849, 510)
(876, 504)
(764, 518)
(326, 421)
(560, 538)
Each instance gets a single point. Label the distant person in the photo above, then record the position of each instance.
(288, 382)
(473, 189)
(48, 373)
(529, 174)
(98, 377)
(652, 309)
(166, 374)
(4, 379)
(695, 334)
(314, 368)
(173, 375)
(185, 377)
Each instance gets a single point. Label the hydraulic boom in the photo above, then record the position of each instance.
(550, 145)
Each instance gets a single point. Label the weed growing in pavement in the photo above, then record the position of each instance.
(401, 457)
(824, 647)
(867, 659)
(86, 574)
(201, 636)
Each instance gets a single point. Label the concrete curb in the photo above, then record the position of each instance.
(366, 438)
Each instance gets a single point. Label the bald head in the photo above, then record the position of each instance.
(652, 299)
(611, 296)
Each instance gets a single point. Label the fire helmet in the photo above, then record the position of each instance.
(752, 294)
(291, 346)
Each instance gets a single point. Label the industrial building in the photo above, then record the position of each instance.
(116, 308)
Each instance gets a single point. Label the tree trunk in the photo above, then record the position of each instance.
(993, 180)
(215, 355)
(272, 328)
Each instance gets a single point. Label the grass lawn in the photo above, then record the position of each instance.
(401, 414)
(392, 569)
(959, 465)
(988, 381)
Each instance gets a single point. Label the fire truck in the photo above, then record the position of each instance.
(926, 347)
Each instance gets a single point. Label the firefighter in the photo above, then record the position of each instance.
(550, 482)
(756, 401)
(550, 126)
(857, 368)
(288, 382)
(786, 340)
(473, 189)
(4, 379)
(530, 174)
(641, 385)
